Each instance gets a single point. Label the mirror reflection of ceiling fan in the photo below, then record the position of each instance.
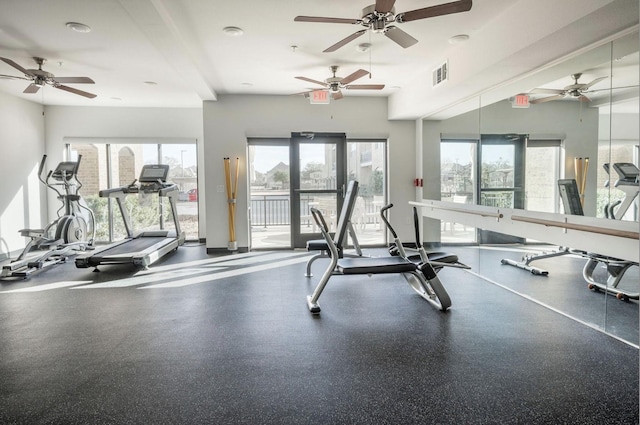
(335, 84)
(379, 17)
(575, 90)
(39, 78)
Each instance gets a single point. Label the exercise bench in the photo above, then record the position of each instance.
(421, 276)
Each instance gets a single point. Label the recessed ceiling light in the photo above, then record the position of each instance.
(457, 39)
(78, 27)
(151, 83)
(232, 31)
(116, 98)
(247, 84)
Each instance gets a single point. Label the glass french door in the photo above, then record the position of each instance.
(269, 189)
(501, 177)
(318, 179)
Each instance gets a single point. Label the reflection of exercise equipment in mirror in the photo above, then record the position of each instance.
(143, 248)
(572, 201)
(422, 276)
(627, 183)
(71, 232)
(615, 268)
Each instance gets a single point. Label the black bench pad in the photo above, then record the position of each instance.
(442, 257)
(375, 265)
(317, 245)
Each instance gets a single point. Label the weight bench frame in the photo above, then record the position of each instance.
(421, 277)
(343, 227)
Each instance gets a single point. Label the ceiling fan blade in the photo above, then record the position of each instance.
(546, 99)
(13, 77)
(75, 91)
(305, 93)
(344, 41)
(584, 98)
(336, 95)
(31, 88)
(439, 10)
(384, 6)
(73, 80)
(354, 76)
(608, 88)
(400, 37)
(597, 80)
(18, 67)
(309, 80)
(325, 20)
(365, 87)
(548, 91)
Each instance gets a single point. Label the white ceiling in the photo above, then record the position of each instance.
(180, 45)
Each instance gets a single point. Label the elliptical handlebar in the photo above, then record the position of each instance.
(41, 168)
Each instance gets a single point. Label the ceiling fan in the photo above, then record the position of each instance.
(378, 17)
(335, 84)
(575, 90)
(39, 78)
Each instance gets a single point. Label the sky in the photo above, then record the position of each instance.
(267, 157)
(174, 151)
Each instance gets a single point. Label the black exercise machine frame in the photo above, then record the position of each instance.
(343, 227)
(421, 276)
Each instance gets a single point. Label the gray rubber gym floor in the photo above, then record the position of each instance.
(201, 339)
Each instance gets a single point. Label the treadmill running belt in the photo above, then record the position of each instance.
(134, 245)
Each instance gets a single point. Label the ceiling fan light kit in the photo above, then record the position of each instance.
(379, 17)
(334, 84)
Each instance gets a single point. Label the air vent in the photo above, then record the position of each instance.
(441, 74)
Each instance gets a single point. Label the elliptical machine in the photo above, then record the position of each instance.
(71, 232)
(628, 183)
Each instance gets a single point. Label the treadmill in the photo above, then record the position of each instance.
(144, 248)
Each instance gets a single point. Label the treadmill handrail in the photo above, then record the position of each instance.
(168, 189)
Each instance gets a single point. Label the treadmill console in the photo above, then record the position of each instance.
(628, 173)
(153, 173)
(153, 177)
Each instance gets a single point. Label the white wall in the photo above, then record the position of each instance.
(95, 122)
(620, 128)
(230, 120)
(21, 194)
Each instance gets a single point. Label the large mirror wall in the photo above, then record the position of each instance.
(581, 124)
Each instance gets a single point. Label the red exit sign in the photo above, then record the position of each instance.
(520, 101)
(319, 97)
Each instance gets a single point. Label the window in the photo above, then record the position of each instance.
(106, 165)
(458, 162)
(542, 172)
